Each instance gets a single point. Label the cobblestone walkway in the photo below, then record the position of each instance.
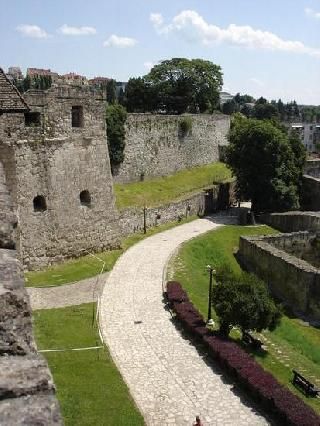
(169, 380)
(84, 291)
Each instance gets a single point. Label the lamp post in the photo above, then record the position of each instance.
(211, 272)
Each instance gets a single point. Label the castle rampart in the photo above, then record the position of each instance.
(57, 171)
(156, 145)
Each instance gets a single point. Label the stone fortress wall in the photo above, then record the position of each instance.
(311, 186)
(292, 279)
(57, 171)
(27, 391)
(156, 146)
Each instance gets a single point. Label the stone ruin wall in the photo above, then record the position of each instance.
(311, 186)
(27, 391)
(208, 201)
(293, 221)
(155, 145)
(294, 281)
(58, 161)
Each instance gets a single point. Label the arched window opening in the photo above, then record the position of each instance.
(39, 203)
(85, 198)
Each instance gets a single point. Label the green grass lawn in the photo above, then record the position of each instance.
(293, 345)
(89, 387)
(87, 266)
(158, 191)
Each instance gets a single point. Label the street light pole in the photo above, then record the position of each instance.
(211, 272)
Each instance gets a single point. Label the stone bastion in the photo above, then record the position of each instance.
(289, 264)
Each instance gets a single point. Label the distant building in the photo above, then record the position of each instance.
(225, 97)
(99, 81)
(15, 73)
(76, 79)
(309, 134)
(38, 72)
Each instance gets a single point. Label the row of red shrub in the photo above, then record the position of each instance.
(277, 400)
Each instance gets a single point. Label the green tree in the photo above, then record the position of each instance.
(186, 85)
(265, 111)
(140, 96)
(229, 107)
(116, 116)
(111, 91)
(267, 167)
(243, 301)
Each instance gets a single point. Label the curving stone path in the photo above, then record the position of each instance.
(169, 380)
(84, 291)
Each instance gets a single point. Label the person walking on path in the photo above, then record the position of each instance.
(198, 422)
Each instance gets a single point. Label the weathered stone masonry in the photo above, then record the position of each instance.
(293, 280)
(155, 145)
(27, 392)
(57, 171)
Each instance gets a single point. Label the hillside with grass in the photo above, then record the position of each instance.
(158, 191)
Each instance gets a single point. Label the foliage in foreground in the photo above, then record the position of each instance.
(292, 339)
(116, 117)
(89, 387)
(258, 383)
(243, 301)
(267, 164)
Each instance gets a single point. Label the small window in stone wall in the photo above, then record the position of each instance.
(77, 116)
(39, 203)
(32, 119)
(85, 198)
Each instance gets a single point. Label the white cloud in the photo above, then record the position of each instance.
(76, 31)
(32, 31)
(193, 28)
(156, 19)
(312, 13)
(148, 65)
(121, 42)
(257, 82)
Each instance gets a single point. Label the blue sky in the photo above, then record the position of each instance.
(265, 47)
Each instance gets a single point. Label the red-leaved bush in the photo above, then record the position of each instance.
(261, 385)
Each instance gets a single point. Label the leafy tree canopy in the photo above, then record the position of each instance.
(243, 301)
(177, 85)
(267, 164)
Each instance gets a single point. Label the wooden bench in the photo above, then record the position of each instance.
(248, 339)
(304, 384)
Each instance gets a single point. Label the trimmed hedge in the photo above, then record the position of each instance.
(277, 400)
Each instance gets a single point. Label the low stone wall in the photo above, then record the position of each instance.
(312, 168)
(27, 391)
(205, 202)
(293, 221)
(292, 280)
(310, 193)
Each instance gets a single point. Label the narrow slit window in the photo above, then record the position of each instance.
(77, 116)
(85, 198)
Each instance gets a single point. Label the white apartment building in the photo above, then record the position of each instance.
(309, 134)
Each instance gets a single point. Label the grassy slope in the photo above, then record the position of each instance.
(88, 266)
(89, 387)
(301, 344)
(155, 192)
